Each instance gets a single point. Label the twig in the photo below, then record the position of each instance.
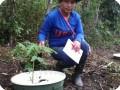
(109, 64)
(15, 65)
(100, 85)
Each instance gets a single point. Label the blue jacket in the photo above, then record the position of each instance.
(59, 31)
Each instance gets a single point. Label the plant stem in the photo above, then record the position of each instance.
(33, 73)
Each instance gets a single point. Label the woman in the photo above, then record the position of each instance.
(62, 24)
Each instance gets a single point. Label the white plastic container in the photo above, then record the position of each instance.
(43, 80)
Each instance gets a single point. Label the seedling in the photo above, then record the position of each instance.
(28, 52)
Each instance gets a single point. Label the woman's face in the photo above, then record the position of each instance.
(68, 5)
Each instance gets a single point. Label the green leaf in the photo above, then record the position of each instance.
(20, 45)
(37, 48)
(20, 58)
(29, 66)
(34, 58)
(40, 59)
(29, 50)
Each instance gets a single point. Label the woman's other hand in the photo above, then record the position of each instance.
(42, 43)
(76, 46)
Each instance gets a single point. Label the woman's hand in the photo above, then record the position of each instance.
(42, 43)
(76, 46)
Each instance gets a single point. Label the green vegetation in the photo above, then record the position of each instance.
(20, 19)
(114, 68)
(101, 21)
(28, 52)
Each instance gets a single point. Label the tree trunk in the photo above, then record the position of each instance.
(10, 16)
(49, 6)
(84, 5)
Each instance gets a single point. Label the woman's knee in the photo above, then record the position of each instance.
(85, 47)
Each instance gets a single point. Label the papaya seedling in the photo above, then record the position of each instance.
(28, 52)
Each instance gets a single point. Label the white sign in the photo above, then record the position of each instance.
(1, 1)
(72, 53)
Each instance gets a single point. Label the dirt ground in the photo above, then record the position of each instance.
(101, 72)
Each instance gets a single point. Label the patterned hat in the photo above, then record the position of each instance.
(76, 0)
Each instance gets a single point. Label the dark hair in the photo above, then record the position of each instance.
(61, 0)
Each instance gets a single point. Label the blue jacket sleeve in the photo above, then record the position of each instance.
(79, 30)
(46, 27)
